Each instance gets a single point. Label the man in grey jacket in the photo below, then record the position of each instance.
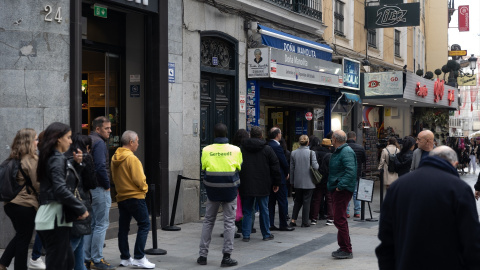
(425, 145)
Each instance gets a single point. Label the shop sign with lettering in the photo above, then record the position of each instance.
(467, 80)
(383, 83)
(386, 16)
(258, 63)
(351, 74)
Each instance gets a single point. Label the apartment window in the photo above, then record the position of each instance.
(339, 18)
(372, 38)
(397, 43)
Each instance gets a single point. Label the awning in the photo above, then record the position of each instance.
(291, 43)
(352, 97)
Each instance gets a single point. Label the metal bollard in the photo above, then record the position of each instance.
(155, 250)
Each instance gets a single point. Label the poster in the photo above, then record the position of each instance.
(258, 63)
(365, 190)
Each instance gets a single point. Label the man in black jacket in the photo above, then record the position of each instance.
(361, 158)
(260, 171)
(429, 218)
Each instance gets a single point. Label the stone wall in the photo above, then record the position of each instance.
(34, 73)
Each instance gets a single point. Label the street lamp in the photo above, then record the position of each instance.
(473, 62)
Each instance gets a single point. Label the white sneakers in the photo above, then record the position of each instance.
(37, 264)
(143, 263)
(126, 262)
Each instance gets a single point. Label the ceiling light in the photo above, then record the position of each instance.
(365, 103)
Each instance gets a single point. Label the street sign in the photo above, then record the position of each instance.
(100, 11)
(309, 116)
(467, 80)
(457, 53)
(171, 72)
(387, 16)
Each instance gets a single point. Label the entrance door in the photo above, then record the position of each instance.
(216, 107)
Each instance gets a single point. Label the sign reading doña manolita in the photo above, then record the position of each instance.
(386, 16)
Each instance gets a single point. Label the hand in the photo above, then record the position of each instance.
(275, 189)
(84, 216)
(107, 189)
(287, 177)
(477, 195)
(78, 156)
(337, 189)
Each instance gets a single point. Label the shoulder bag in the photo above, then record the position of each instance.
(317, 176)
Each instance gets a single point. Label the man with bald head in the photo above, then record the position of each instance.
(425, 141)
(429, 218)
(341, 183)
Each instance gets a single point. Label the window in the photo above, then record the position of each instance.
(339, 18)
(372, 38)
(397, 43)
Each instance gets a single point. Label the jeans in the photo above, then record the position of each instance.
(340, 200)
(248, 207)
(37, 248)
(77, 247)
(136, 208)
(93, 243)
(23, 220)
(356, 204)
(229, 212)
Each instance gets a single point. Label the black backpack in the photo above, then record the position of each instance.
(392, 158)
(9, 187)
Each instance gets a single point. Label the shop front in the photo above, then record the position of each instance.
(290, 84)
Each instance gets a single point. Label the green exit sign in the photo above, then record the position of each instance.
(100, 11)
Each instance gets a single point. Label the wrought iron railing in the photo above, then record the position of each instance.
(310, 8)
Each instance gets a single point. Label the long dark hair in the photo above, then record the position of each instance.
(408, 142)
(53, 132)
(239, 136)
(81, 142)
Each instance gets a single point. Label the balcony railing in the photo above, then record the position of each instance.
(310, 8)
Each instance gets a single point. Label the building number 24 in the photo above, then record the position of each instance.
(58, 14)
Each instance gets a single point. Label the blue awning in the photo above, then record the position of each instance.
(351, 97)
(291, 43)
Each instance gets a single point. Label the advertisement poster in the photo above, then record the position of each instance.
(463, 18)
(351, 74)
(258, 63)
(383, 83)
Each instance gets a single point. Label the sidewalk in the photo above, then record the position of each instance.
(304, 248)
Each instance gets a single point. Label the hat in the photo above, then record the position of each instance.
(327, 142)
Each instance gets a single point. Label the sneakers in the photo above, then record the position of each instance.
(227, 262)
(102, 265)
(125, 263)
(356, 215)
(348, 215)
(88, 264)
(313, 222)
(271, 237)
(202, 260)
(329, 222)
(143, 263)
(36, 264)
(340, 254)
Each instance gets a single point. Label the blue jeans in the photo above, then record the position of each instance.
(247, 207)
(37, 248)
(93, 243)
(77, 247)
(137, 209)
(356, 204)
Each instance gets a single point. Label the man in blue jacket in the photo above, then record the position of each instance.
(341, 182)
(275, 135)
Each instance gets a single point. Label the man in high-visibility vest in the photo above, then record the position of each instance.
(221, 162)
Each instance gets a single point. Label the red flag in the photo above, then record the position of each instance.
(463, 18)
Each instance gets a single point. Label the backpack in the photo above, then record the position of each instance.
(9, 187)
(391, 160)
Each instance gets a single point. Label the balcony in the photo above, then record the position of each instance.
(309, 8)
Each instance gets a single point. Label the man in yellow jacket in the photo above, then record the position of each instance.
(131, 186)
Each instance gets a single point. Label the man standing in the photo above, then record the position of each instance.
(221, 162)
(429, 218)
(275, 135)
(361, 158)
(341, 182)
(101, 199)
(131, 186)
(260, 171)
(425, 145)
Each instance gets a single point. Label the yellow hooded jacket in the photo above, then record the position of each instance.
(128, 176)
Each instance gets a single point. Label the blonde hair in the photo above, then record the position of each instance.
(303, 140)
(23, 144)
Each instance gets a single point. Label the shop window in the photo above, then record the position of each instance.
(397, 43)
(339, 18)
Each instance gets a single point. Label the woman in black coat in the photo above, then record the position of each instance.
(404, 158)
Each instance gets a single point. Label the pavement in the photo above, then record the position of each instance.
(304, 248)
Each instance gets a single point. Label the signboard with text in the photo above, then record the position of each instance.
(383, 83)
(467, 80)
(386, 16)
(258, 63)
(463, 18)
(351, 74)
(457, 53)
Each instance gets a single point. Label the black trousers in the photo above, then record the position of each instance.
(59, 254)
(302, 200)
(23, 220)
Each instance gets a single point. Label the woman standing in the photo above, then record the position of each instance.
(405, 157)
(301, 179)
(22, 209)
(472, 155)
(50, 221)
(388, 177)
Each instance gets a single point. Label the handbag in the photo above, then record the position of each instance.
(69, 213)
(317, 176)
